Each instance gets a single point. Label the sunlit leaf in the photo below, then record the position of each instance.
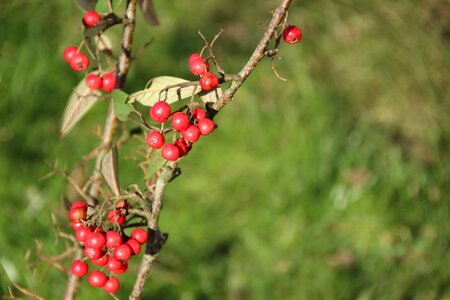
(121, 109)
(106, 22)
(166, 88)
(86, 4)
(211, 96)
(103, 8)
(78, 104)
(110, 170)
(148, 11)
(155, 164)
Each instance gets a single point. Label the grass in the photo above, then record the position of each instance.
(332, 186)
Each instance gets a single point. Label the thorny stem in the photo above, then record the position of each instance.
(110, 126)
(167, 172)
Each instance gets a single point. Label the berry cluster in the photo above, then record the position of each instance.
(110, 249)
(190, 128)
(77, 60)
(106, 82)
(199, 66)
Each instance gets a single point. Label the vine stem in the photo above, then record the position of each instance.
(110, 127)
(167, 172)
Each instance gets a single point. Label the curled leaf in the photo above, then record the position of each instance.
(110, 170)
(148, 11)
(79, 103)
(168, 88)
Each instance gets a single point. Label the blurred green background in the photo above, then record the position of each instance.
(334, 185)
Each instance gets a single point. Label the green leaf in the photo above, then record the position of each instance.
(121, 109)
(155, 164)
(110, 170)
(156, 90)
(79, 103)
(86, 5)
(211, 96)
(103, 8)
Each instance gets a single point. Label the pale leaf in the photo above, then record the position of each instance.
(211, 96)
(110, 170)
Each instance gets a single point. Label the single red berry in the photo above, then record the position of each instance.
(191, 134)
(113, 239)
(69, 52)
(97, 278)
(292, 34)
(206, 126)
(180, 121)
(112, 285)
(198, 114)
(122, 252)
(77, 214)
(93, 253)
(95, 239)
(93, 81)
(134, 245)
(198, 66)
(160, 111)
(82, 233)
(139, 235)
(114, 264)
(170, 152)
(209, 81)
(102, 261)
(182, 145)
(109, 82)
(123, 269)
(79, 204)
(77, 225)
(91, 18)
(79, 62)
(155, 140)
(115, 216)
(193, 57)
(79, 268)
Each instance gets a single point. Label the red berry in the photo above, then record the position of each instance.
(109, 82)
(114, 264)
(155, 140)
(123, 204)
(79, 62)
(160, 112)
(82, 233)
(112, 285)
(292, 34)
(93, 253)
(113, 239)
(93, 81)
(69, 52)
(209, 81)
(193, 57)
(134, 245)
(115, 216)
(198, 66)
(95, 239)
(170, 152)
(77, 225)
(79, 268)
(139, 235)
(77, 214)
(121, 270)
(97, 278)
(91, 18)
(198, 114)
(183, 146)
(102, 261)
(180, 121)
(191, 134)
(79, 204)
(122, 252)
(206, 126)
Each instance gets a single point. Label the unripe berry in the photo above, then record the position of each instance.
(79, 62)
(134, 245)
(122, 252)
(191, 134)
(160, 111)
(102, 261)
(91, 18)
(112, 285)
(113, 239)
(69, 52)
(198, 66)
(139, 235)
(155, 140)
(77, 214)
(115, 216)
(292, 34)
(97, 278)
(95, 239)
(79, 268)
(93, 81)
(109, 82)
(209, 81)
(180, 121)
(206, 126)
(170, 152)
(198, 114)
